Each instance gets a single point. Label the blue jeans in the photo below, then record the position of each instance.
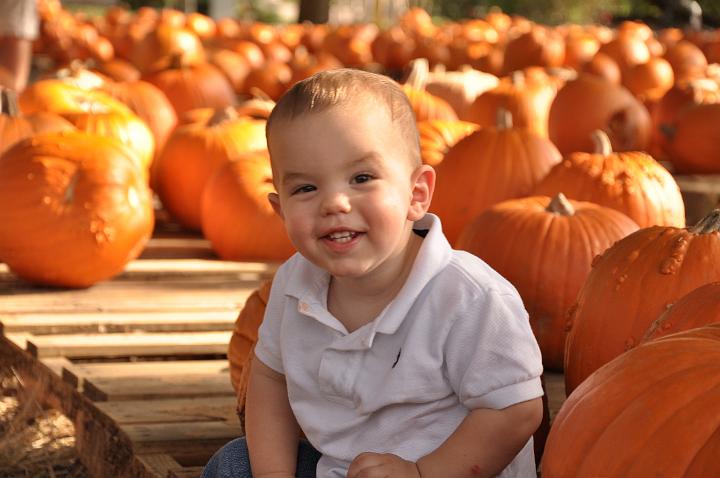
(233, 461)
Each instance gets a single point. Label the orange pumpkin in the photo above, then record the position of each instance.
(540, 46)
(76, 209)
(60, 97)
(235, 207)
(630, 285)
(194, 151)
(591, 102)
(650, 80)
(698, 308)
(631, 182)
(425, 105)
(694, 145)
(165, 45)
(527, 98)
(150, 104)
(197, 86)
(437, 137)
(15, 127)
(570, 234)
(244, 337)
(490, 165)
(682, 96)
(687, 60)
(653, 411)
(125, 128)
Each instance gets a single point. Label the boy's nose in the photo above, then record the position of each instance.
(335, 203)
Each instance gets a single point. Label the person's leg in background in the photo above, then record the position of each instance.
(18, 29)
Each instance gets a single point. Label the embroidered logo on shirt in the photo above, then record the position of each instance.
(397, 358)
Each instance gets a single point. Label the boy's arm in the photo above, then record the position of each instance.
(270, 426)
(484, 443)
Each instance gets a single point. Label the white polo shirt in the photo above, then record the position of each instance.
(455, 338)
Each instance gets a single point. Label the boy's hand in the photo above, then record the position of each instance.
(382, 465)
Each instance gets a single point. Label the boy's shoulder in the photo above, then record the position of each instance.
(467, 273)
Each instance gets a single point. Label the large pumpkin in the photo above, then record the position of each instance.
(194, 151)
(235, 207)
(696, 309)
(565, 236)
(654, 411)
(76, 208)
(589, 103)
(488, 166)
(630, 182)
(629, 287)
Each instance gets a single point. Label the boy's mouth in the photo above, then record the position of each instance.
(342, 236)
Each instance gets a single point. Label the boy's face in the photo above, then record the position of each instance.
(347, 189)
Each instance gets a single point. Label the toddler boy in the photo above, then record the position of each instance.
(394, 354)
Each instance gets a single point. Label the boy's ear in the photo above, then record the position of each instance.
(423, 185)
(275, 203)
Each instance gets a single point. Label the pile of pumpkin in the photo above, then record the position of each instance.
(546, 142)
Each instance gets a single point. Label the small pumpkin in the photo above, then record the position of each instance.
(589, 103)
(194, 151)
(438, 136)
(15, 127)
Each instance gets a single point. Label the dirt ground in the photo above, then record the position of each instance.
(34, 442)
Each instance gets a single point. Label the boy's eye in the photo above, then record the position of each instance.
(362, 178)
(305, 188)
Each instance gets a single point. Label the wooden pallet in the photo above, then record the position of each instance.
(138, 362)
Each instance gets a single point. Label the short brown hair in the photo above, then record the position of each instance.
(341, 87)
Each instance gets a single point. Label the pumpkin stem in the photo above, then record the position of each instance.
(8, 103)
(503, 119)
(668, 130)
(259, 94)
(222, 115)
(517, 78)
(708, 224)
(419, 73)
(70, 191)
(602, 143)
(560, 205)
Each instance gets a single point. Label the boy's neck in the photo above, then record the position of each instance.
(358, 301)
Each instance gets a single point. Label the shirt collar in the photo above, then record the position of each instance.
(309, 283)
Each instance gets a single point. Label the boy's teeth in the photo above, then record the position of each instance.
(341, 236)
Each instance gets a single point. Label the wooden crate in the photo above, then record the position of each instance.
(138, 362)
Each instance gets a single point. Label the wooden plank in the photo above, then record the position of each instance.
(93, 322)
(176, 410)
(137, 299)
(178, 248)
(155, 387)
(555, 389)
(131, 344)
(159, 463)
(187, 472)
(20, 339)
(698, 183)
(181, 438)
(57, 364)
(149, 369)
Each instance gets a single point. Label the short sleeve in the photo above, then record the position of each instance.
(491, 355)
(267, 348)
